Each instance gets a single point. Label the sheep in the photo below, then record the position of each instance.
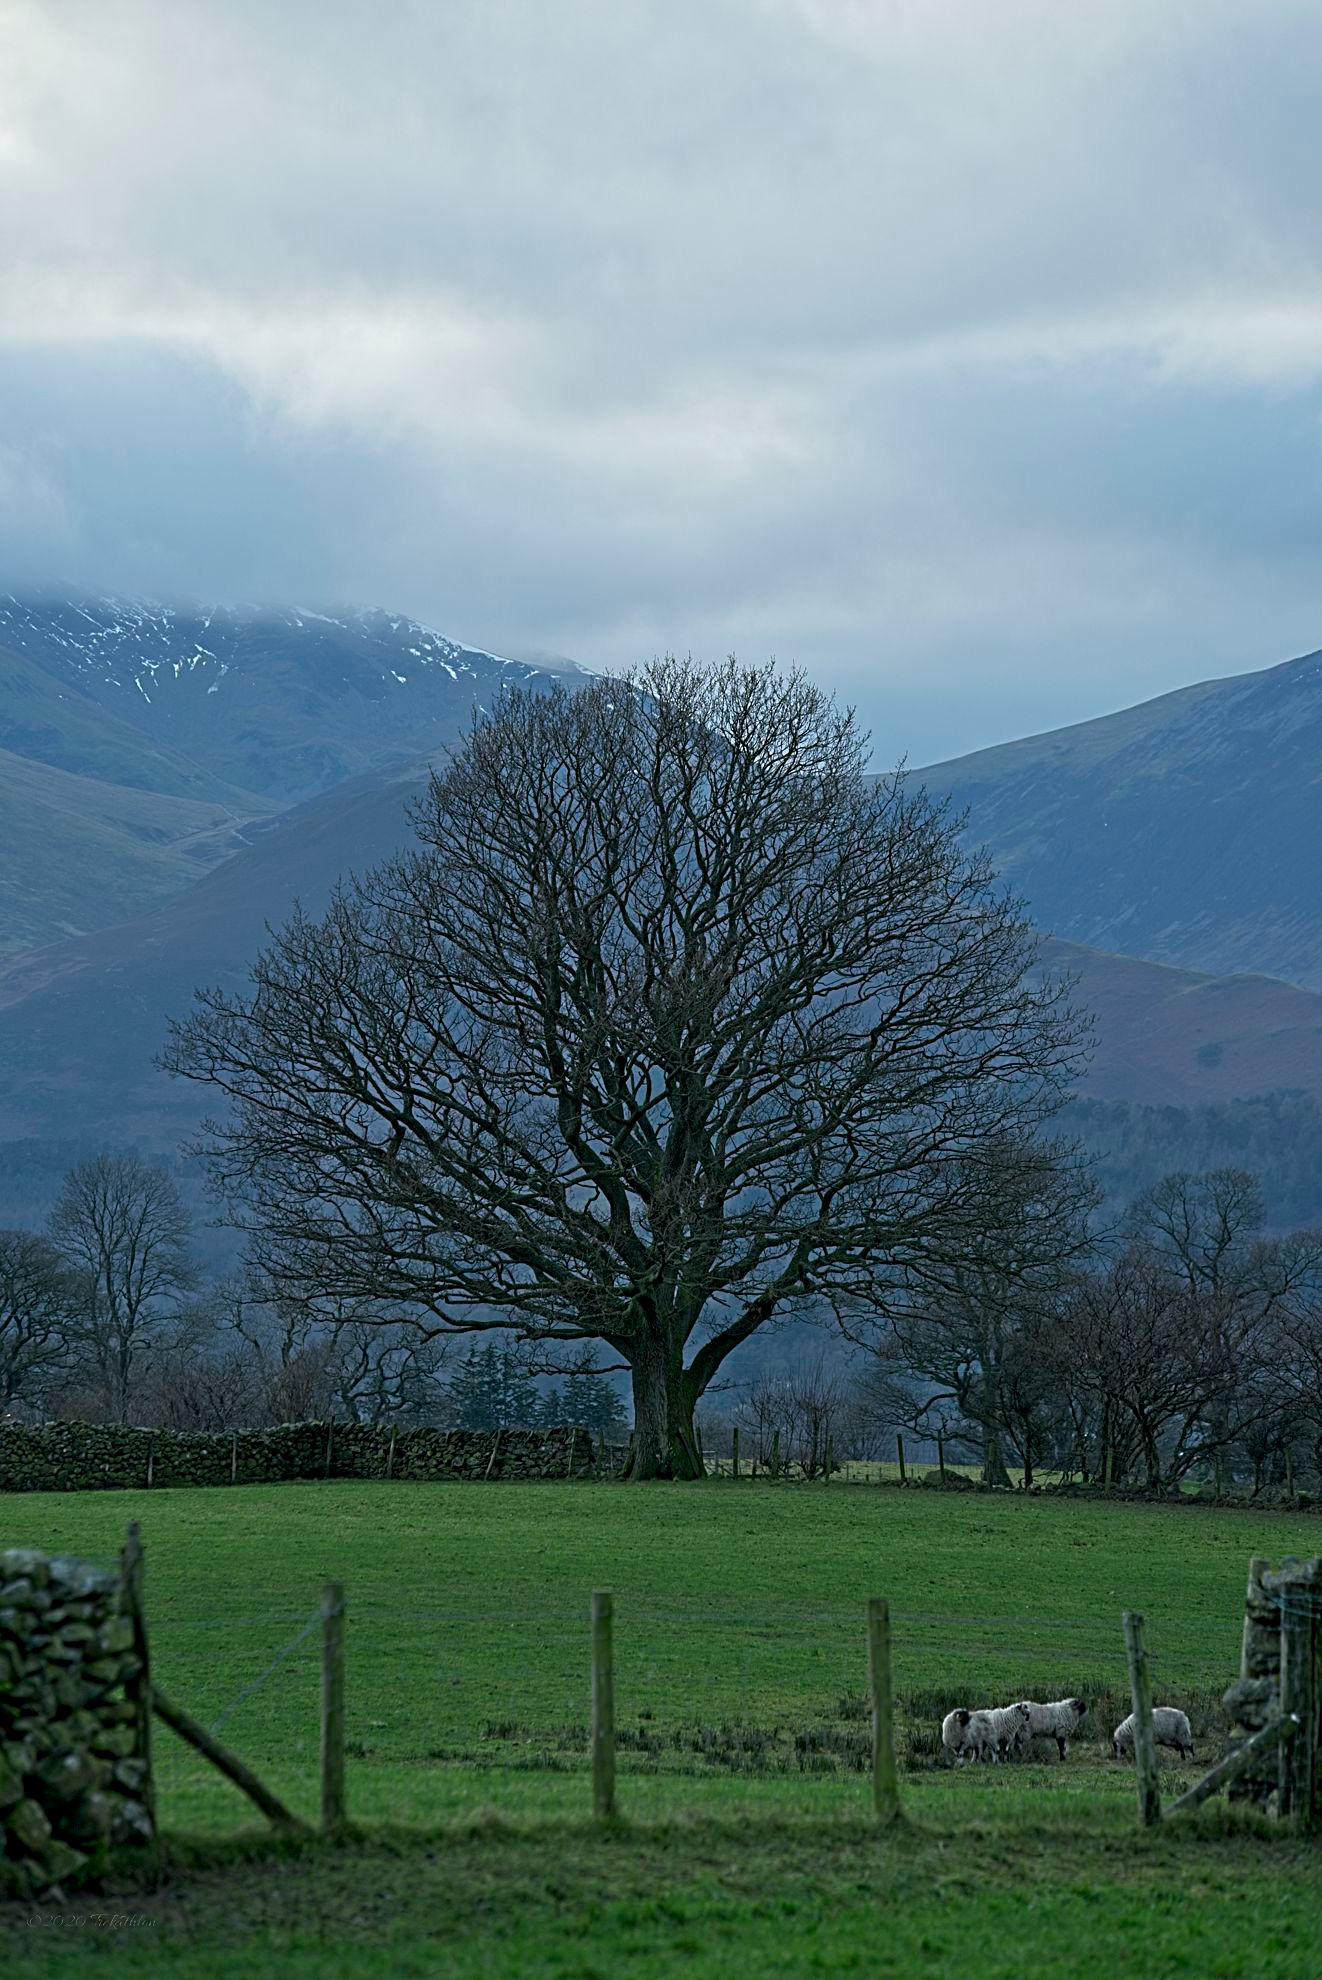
(1057, 1721)
(962, 1734)
(991, 1734)
(1170, 1727)
(1005, 1729)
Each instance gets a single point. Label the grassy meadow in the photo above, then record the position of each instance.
(740, 1661)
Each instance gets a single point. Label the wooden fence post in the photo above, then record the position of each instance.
(1298, 1755)
(390, 1454)
(332, 1708)
(885, 1787)
(603, 1709)
(941, 1457)
(1145, 1745)
(138, 1690)
(151, 1454)
(330, 1434)
(234, 1456)
(734, 1446)
(899, 1451)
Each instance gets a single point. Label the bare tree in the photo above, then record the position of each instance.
(797, 1414)
(970, 1356)
(1295, 1357)
(1171, 1343)
(199, 1375)
(352, 1360)
(125, 1229)
(39, 1299)
(676, 1021)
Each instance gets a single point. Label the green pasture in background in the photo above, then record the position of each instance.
(745, 1846)
(737, 1604)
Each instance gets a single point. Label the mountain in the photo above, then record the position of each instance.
(117, 715)
(81, 1021)
(77, 853)
(1178, 1037)
(1187, 830)
(56, 722)
(278, 701)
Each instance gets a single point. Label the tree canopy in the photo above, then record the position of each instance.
(675, 1020)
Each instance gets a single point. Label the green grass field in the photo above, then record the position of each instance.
(740, 1661)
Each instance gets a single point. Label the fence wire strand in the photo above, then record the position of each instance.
(250, 1689)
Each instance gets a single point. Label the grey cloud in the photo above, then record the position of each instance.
(969, 356)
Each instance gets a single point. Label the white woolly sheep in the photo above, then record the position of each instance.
(962, 1733)
(1169, 1725)
(1006, 1730)
(1058, 1721)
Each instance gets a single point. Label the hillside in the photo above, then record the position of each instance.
(279, 701)
(1187, 830)
(77, 853)
(81, 1021)
(1177, 1037)
(48, 720)
(139, 741)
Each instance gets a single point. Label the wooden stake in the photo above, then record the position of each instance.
(603, 1708)
(899, 1448)
(151, 1453)
(332, 1708)
(234, 1456)
(1145, 1745)
(494, 1448)
(1235, 1763)
(138, 1690)
(941, 1457)
(233, 1769)
(330, 1435)
(885, 1786)
(1298, 1700)
(390, 1454)
(734, 1446)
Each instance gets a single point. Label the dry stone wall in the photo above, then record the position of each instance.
(82, 1457)
(73, 1780)
(1255, 1700)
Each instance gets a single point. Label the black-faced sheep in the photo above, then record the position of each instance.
(1169, 1725)
(1058, 1721)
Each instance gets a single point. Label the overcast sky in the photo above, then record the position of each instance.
(967, 352)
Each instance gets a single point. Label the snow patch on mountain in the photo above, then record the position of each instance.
(137, 641)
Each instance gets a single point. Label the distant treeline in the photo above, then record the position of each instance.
(1276, 1137)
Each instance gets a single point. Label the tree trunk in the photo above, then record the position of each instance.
(665, 1444)
(993, 1464)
